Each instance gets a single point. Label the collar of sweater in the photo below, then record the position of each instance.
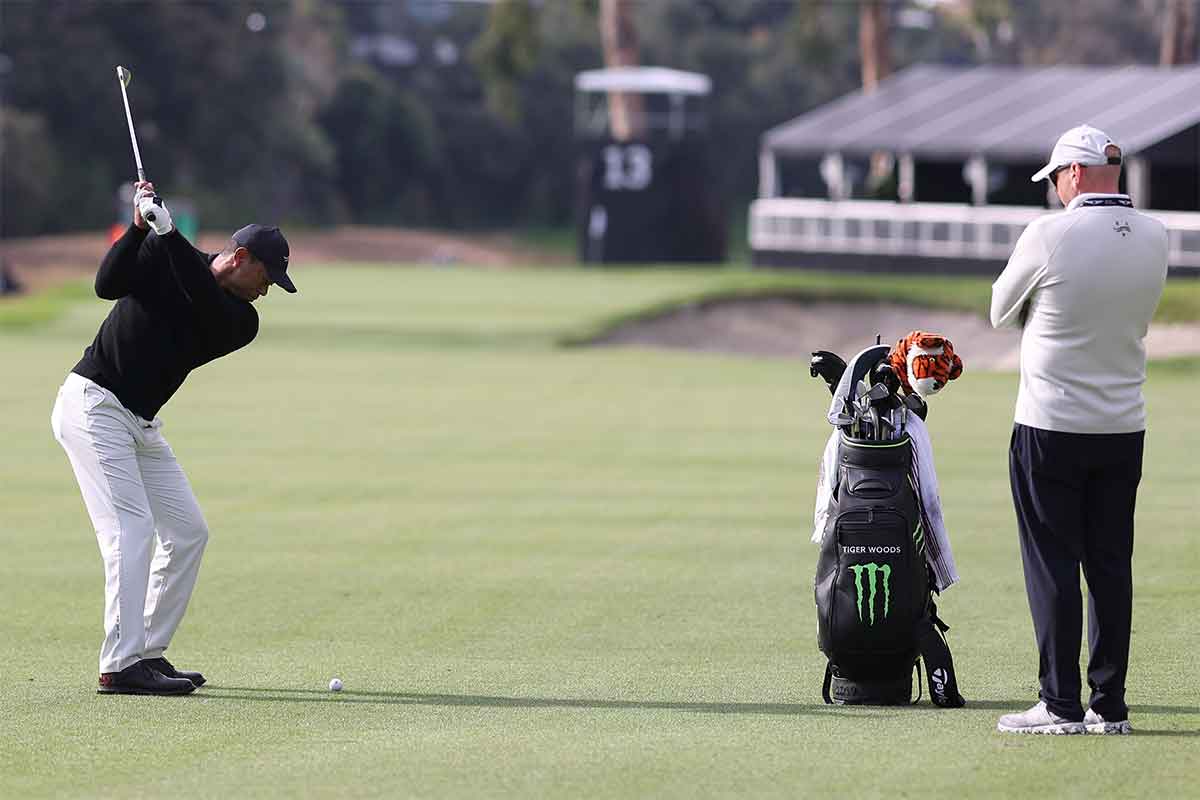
(1099, 199)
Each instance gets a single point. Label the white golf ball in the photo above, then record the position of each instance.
(335, 685)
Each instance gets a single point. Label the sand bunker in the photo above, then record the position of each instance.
(789, 328)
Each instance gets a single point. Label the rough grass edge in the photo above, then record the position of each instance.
(24, 312)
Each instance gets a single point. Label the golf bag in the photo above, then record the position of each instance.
(876, 619)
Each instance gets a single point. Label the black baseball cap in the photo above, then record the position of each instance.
(269, 247)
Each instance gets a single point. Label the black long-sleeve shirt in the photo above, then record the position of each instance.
(171, 316)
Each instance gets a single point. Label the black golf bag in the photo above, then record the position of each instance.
(876, 619)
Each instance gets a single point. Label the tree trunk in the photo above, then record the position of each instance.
(1178, 44)
(873, 43)
(874, 49)
(618, 34)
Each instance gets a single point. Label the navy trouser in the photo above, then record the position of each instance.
(1074, 495)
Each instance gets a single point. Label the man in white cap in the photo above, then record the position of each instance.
(1083, 284)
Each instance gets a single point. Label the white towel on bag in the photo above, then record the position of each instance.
(937, 542)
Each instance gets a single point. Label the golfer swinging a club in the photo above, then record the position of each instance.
(177, 309)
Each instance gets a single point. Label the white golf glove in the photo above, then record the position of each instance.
(154, 211)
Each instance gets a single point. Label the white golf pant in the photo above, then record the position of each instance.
(148, 523)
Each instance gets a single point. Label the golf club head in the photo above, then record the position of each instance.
(856, 369)
(885, 374)
(876, 393)
(828, 365)
(862, 428)
(862, 402)
(124, 76)
(917, 406)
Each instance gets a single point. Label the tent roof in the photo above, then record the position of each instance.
(1006, 113)
(643, 79)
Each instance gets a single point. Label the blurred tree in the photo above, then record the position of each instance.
(768, 62)
(874, 43)
(571, 44)
(319, 110)
(813, 44)
(986, 24)
(220, 107)
(1096, 32)
(386, 148)
(875, 59)
(28, 182)
(618, 33)
(1178, 33)
(506, 53)
(501, 116)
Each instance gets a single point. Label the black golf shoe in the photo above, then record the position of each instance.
(166, 668)
(141, 679)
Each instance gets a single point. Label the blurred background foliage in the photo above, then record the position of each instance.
(440, 112)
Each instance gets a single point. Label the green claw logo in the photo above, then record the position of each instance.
(872, 571)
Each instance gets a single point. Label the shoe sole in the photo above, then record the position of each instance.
(1110, 728)
(125, 690)
(1069, 729)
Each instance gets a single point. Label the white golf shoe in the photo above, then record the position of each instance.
(1038, 719)
(1098, 724)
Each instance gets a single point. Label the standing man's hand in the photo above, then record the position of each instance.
(148, 208)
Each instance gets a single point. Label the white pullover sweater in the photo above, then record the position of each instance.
(1084, 284)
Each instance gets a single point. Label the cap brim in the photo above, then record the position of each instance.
(283, 280)
(1044, 172)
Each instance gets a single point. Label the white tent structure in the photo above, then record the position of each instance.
(593, 86)
(989, 125)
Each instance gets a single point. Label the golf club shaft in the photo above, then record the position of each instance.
(137, 156)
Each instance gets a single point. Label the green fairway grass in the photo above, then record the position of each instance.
(542, 571)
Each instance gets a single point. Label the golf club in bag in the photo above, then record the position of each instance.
(876, 619)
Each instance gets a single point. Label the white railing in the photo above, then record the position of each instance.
(866, 227)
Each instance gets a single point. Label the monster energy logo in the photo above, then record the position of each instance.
(872, 570)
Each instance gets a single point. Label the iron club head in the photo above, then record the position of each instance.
(124, 76)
